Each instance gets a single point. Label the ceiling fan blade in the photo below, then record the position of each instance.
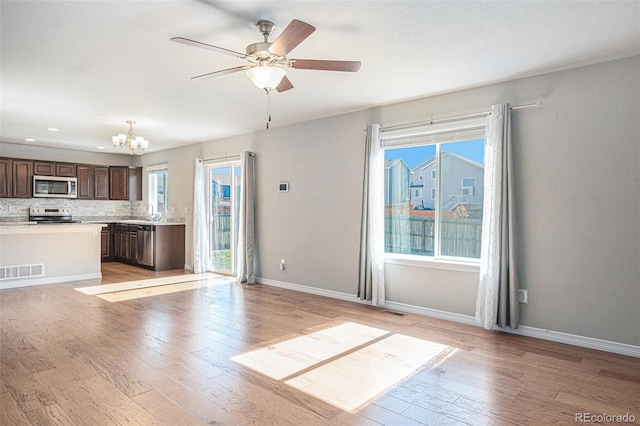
(223, 72)
(194, 43)
(313, 64)
(292, 36)
(284, 85)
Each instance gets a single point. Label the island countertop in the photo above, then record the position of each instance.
(134, 222)
(13, 228)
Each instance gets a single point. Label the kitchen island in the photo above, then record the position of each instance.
(33, 254)
(153, 245)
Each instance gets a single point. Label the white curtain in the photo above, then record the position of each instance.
(201, 253)
(497, 301)
(245, 260)
(371, 275)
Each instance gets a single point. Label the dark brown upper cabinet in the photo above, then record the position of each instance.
(49, 168)
(125, 183)
(84, 173)
(5, 178)
(101, 182)
(22, 171)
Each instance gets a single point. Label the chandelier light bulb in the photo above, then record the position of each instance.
(134, 144)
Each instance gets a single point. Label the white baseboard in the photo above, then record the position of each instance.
(523, 330)
(432, 313)
(576, 340)
(50, 280)
(312, 290)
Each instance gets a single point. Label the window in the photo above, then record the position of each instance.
(449, 224)
(417, 193)
(420, 175)
(157, 188)
(468, 186)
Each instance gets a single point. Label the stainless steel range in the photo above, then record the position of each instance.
(51, 215)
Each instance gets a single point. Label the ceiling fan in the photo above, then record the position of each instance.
(268, 60)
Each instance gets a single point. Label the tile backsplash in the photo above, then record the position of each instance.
(17, 209)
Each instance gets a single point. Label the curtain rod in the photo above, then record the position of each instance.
(458, 117)
(227, 158)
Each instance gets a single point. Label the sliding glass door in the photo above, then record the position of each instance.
(223, 195)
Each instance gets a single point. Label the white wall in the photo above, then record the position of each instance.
(578, 191)
(577, 178)
(577, 174)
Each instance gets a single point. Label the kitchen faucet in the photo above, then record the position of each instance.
(155, 217)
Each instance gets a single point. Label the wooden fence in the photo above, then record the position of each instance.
(221, 231)
(406, 234)
(416, 235)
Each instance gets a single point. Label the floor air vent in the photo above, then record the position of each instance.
(400, 314)
(21, 271)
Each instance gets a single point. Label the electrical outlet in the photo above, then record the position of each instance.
(523, 296)
(282, 264)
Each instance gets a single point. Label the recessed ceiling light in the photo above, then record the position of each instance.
(100, 147)
(52, 129)
(29, 140)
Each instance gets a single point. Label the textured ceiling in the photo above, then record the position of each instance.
(85, 67)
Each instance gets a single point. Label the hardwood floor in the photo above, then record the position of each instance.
(192, 357)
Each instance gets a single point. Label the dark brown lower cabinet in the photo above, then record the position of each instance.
(120, 243)
(169, 247)
(126, 243)
(106, 243)
(133, 245)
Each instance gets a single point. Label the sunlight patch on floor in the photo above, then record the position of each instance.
(153, 287)
(294, 355)
(357, 378)
(151, 282)
(344, 376)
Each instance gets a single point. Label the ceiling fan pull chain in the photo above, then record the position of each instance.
(268, 107)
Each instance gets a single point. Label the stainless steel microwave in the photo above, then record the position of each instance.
(55, 187)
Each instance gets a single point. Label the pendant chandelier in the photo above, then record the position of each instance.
(134, 144)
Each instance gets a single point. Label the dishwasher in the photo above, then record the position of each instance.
(146, 244)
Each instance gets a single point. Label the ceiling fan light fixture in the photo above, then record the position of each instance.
(266, 77)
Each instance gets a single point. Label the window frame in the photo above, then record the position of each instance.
(437, 134)
(155, 170)
(472, 187)
(234, 204)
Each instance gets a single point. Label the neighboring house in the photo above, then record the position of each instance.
(462, 184)
(221, 185)
(396, 182)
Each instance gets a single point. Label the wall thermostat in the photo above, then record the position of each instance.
(283, 187)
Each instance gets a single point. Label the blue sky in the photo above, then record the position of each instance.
(415, 155)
